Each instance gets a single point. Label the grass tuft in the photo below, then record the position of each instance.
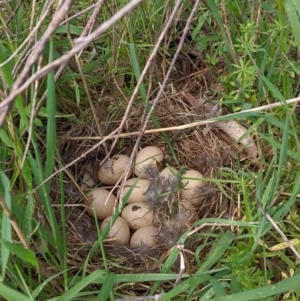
(61, 115)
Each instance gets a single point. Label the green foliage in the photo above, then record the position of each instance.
(249, 40)
(256, 46)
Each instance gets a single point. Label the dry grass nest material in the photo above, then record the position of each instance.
(206, 153)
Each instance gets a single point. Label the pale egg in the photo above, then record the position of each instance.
(148, 156)
(145, 236)
(119, 230)
(191, 179)
(139, 188)
(169, 172)
(102, 201)
(138, 215)
(113, 169)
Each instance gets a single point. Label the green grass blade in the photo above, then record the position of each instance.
(37, 168)
(21, 252)
(280, 213)
(215, 253)
(277, 144)
(211, 259)
(201, 21)
(107, 288)
(168, 264)
(147, 277)
(218, 288)
(11, 294)
(137, 73)
(185, 286)
(216, 14)
(283, 286)
(276, 93)
(292, 8)
(101, 277)
(6, 228)
(6, 73)
(40, 288)
(5, 69)
(283, 151)
(269, 191)
(51, 123)
(92, 278)
(218, 249)
(62, 242)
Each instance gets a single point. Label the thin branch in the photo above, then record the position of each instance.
(20, 84)
(62, 67)
(116, 132)
(189, 125)
(12, 219)
(136, 89)
(293, 249)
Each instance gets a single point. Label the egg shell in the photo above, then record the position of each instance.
(140, 186)
(148, 156)
(119, 229)
(87, 181)
(138, 215)
(144, 236)
(113, 169)
(169, 172)
(103, 203)
(189, 185)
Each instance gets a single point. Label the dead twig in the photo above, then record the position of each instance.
(13, 222)
(185, 126)
(21, 83)
(62, 67)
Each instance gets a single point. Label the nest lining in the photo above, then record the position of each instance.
(205, 153)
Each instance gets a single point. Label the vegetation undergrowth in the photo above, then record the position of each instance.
(241, 55)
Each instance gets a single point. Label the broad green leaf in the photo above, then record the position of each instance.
(23, 253)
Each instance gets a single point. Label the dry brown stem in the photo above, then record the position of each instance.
(21, 83)
(61, 68)
(189, 125)
(135, 92)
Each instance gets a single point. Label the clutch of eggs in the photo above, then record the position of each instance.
(136, 216)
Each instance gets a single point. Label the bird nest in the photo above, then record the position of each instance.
(205, 148)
